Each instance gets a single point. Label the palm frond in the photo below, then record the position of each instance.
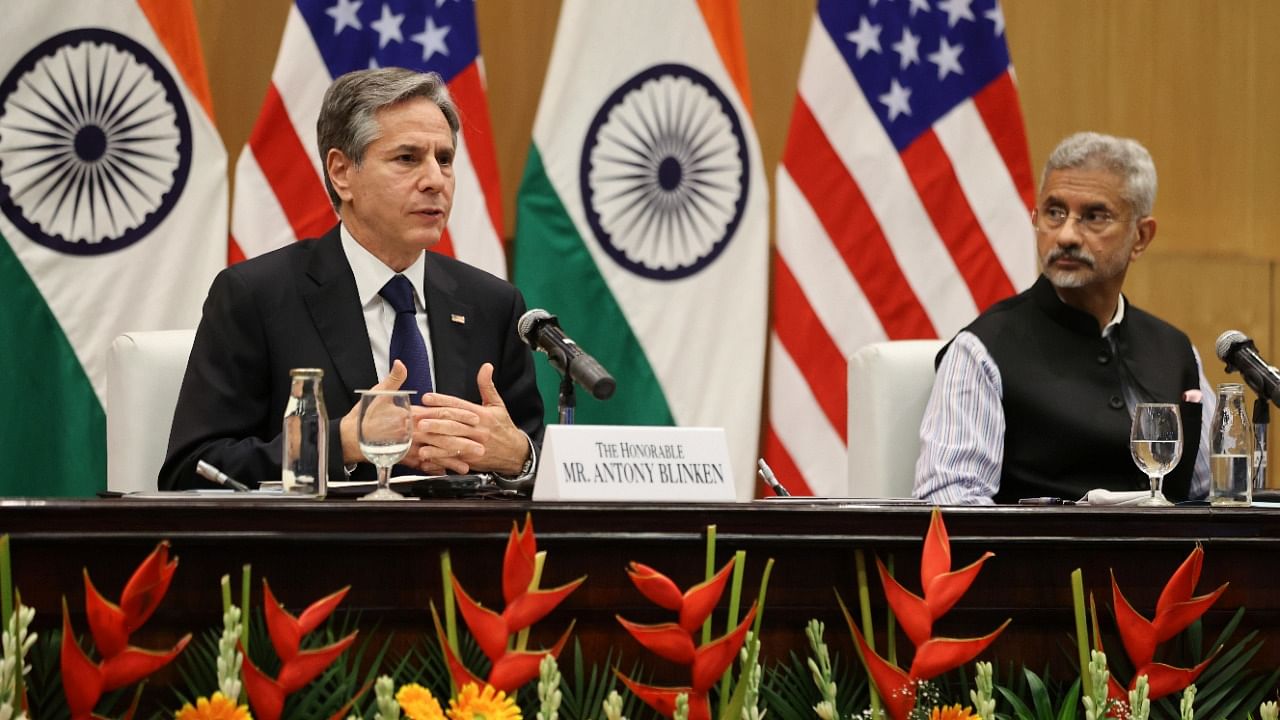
(788, 691)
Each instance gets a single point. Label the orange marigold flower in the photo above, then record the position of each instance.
(473, 703)
(218, 707)
(418, 703)
(951, 712)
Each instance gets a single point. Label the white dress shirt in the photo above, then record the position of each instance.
(379, 317)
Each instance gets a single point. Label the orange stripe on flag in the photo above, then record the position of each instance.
(174, 22)
(834, 195)
(811, 347)
(997, 103)
(724, 22)
(467, 88)
(288, 170)
(935, 181)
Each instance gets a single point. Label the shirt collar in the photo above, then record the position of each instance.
(371, 273)
(1115, 319)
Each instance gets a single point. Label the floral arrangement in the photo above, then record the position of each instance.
(122, 664)
(674, 641)
(525, 605)
(942, 588)
(271, 664)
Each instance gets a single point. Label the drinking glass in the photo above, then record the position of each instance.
(1156, 445)
(385, 433)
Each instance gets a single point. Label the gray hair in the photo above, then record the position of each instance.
(348, 113)
(1125, 157)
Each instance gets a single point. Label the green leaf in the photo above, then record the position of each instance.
(1070, 707)
(1039, 695)
(1020, 709)
(583, 693)
(44, 683)
(733, 706)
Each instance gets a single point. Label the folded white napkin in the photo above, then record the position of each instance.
(1113, 497)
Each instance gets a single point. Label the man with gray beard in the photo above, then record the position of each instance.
(1035, 397)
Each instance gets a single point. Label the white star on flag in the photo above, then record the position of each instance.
(908, 48)
(344, 15)
(956, 10)
(388, 27)
(432, 40)
(919, 5)
(866, 37)
(996, 15)
(947, 58)
(897, 101)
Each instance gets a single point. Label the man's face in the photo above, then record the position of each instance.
(1086, 232)
(397, 201)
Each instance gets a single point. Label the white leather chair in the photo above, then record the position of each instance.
(889, 385)
(144, 374)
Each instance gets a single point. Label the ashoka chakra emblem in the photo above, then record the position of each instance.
(665, 173)
(95, 142)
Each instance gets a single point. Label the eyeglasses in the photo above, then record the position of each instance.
(1094, 222)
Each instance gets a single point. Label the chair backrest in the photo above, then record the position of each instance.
(889, 385)
(144, 374)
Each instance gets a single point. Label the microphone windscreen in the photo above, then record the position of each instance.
(1228, 340)
(528, 321)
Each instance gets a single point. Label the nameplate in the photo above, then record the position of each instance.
(617, 463)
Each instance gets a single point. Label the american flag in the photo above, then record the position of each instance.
(903, 198)
(279, 191)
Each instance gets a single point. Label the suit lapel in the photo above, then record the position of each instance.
(334, 304)
(447, 317)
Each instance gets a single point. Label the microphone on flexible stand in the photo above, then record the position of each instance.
(540, 330)
(1239, 353)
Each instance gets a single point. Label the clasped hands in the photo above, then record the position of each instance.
(451, 434)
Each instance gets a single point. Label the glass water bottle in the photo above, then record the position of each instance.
(305, 466)
(1231, 456)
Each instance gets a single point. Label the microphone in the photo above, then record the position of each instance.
(1239, 353)
(540, 330)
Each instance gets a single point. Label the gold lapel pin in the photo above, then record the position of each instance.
(460, 319)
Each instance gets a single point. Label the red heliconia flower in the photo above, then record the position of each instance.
(1175, 610)
(524, 607)
(674, 641)
(122, 664)
(297, 667)
(694, 605)
(942, 587)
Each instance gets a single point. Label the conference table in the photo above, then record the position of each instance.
(389, 554)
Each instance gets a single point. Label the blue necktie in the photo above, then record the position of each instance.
(406, 341)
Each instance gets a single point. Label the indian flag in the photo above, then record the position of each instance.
(112, 216)
(642, 217)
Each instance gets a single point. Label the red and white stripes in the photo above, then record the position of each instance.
(873, 244)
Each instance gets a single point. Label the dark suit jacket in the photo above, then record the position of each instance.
(298, 307)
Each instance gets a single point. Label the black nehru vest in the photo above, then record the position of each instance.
(1066, 424)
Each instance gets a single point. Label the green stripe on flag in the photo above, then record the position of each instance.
(53, 432)
(555, 271)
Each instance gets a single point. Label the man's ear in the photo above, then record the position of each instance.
(1146, 234)
(339, 167)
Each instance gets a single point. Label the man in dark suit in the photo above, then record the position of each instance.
(387, 140)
